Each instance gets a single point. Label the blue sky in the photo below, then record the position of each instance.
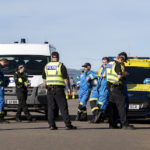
(81, 30)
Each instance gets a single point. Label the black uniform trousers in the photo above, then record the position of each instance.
(117, 105)
(57, 96)
(22, 106)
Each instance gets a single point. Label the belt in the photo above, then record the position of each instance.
(116, 85)
(51, 87)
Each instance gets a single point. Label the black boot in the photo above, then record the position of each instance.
(93, 120)
(98, 116)
(18, 119)
(128, 127)
(78, 117)
(71, 127)
(2, 119)
(83, 117)
(31, 119)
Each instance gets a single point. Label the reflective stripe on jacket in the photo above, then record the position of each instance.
(54, 74)
(112, 76)
(20, 79)
(101, 72)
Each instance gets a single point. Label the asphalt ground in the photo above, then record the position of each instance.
(37, 136)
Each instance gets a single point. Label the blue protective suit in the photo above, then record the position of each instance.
(85, 89)
(78, 79)
(100, 92)
(85, 86)
(3, 83)
(94, 99)
(103, 95)
(99, 98)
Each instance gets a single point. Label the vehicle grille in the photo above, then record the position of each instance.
(30, 90)
(10, 91)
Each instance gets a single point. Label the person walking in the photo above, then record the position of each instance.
(55, 79)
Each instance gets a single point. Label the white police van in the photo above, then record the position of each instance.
(34, 57)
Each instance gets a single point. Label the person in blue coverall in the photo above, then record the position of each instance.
(78, 79)
(84, 84)
(3, 83)
(103, 98)
(99, 98)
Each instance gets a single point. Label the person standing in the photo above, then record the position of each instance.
(3, 83)
(103, 98)
(85, 86)
(125, 82)
(99, 98)
(55, 79)
(116, 93)
(22, 82)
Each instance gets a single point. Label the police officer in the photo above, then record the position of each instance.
(116, 94)
(55, 78)
(3, 83)
(22, 82)
(125, 82)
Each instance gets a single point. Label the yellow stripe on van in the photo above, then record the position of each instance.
(138, 63)
(138, 87)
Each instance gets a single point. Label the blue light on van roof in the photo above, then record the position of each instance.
(45, 42)
(23, 40)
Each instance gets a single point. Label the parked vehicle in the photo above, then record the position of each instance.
(34, 57)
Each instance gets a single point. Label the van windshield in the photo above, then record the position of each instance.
(34, 64)
(137, 74)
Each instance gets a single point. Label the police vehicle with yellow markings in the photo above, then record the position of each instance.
(138, 84)
(34, 57)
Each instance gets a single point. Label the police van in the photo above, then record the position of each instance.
(138, 84)
(34, 57)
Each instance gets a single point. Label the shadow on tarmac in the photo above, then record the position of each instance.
(41, 118)
(72, 117)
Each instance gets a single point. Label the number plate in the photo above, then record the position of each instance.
(12, 102)
(131, 106)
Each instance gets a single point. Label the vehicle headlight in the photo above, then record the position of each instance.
(41, 90)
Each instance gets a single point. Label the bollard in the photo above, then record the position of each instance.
(73, 95)
(67, 96)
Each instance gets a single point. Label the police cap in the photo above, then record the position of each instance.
(55, 54)
(123, 55)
